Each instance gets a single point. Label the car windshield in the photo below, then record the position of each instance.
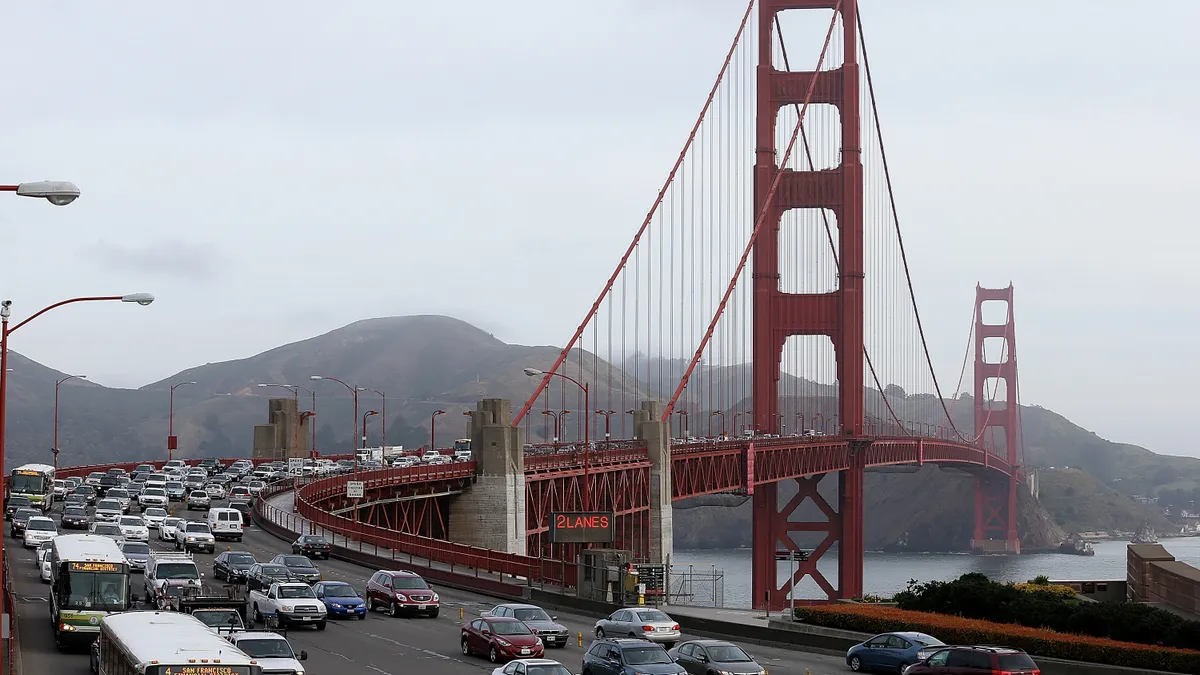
(641, 656)
(410, 583)
(136, 548)
(26, 514)
(727, 654)
(74, 511)
(153, 492)
(17, 502)
(296, 561)
(174, 485)
(41, 524)
(199, 494)
(108, 505)
(219, 618)
(132, 521)
(85, 489)
(275, 571)
(925, 640)
(172, 522)
(652, 615)
(510, 628)
(341, 591)
(546, 669)
(314, 540)
(118, 492)
(155, 512)
(197, 527)
(176, 570)
(241, 559)
(290, 592)
(106, 528)
(531, 614)
(266, 648)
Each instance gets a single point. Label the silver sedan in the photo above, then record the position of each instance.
(640, 622)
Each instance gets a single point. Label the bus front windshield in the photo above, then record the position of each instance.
(103, 591)
(28, 484)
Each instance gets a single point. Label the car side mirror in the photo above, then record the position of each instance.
(702, 659)
(554, 618)
(303, 655)
(202, 575)
(485, 632)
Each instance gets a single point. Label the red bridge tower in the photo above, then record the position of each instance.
(996, 497)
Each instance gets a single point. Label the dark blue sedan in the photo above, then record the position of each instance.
(891, 652)
(341, 600)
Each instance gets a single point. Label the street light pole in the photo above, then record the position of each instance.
(369, 413)
(172, 442)
(354, 391)
(5, 330)
(716, 413)
(587, 441)
(433, 429)
(382, 418)
(58, 384)
(607, 422)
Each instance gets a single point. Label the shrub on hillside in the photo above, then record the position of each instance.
(1038, 642)
(974, 596)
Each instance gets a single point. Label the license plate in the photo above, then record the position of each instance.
(307, 618)
(524, 650)
(662, 629)
(422, 606)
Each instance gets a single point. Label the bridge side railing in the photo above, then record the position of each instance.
(12, 642)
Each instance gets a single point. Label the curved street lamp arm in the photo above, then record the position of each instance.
(60, 304)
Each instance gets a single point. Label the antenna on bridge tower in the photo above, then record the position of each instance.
(996, 496)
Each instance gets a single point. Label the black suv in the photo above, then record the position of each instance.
(628, 656)
(16, 502)
(972, 660)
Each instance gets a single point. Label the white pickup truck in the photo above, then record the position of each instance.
(284, 604)
(271, 650)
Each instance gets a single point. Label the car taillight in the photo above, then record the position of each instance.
(648, 628)
(675, 627)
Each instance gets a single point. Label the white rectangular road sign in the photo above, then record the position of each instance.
(354, 489)
(295, 464)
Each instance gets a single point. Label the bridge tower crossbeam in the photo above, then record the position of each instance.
(837, 314)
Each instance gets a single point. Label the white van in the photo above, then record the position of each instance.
(225, 523)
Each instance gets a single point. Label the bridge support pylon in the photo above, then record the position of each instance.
(491, 513)
(836, 314)
(995, 496)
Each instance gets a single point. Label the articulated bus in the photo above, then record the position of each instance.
(35, 481)
(89, 580)
(165, 643)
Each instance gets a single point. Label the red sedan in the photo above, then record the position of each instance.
(501, 639)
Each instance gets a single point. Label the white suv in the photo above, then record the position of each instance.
(195, 536)
(153, 496)
(271, 650)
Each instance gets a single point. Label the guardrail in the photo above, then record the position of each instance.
(535, 463)
(83, 471)
(462, 559)
(12, 644)
(323, 489)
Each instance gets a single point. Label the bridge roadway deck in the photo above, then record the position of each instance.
(380, 645)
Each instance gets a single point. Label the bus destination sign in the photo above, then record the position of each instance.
(581, 527)
(200, 669)
(27, 472)
(95, 567)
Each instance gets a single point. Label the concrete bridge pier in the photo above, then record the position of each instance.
(491, 513)
(648, 426)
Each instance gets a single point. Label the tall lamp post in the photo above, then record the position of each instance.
(172, 441)
(353, 390)
(382, 417)
(557, 416)
(587, 445)
(607, 422)
(716, 413)
(433, 429)
(295, 389)
(369, 413)
(5, 330)
(58, 384)
(312, 448)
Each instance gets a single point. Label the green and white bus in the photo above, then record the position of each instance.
(35, 481)
(89, 580)
(165, 643)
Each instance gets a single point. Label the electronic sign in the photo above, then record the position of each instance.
(581, 527)
(95, 567)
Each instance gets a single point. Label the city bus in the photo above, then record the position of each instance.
(462, 445)
(35, 481)
(165, 643)
(89, 580)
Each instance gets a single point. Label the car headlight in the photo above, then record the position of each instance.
(435, 597)
(401, 597)
(503, 642)
(286, 608)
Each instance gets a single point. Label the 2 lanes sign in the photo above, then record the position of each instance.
(581, 527)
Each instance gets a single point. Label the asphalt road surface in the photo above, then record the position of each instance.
(380, 644)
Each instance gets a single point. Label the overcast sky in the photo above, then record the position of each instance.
(273, 170)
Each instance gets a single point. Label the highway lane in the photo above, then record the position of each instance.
(379, 644)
